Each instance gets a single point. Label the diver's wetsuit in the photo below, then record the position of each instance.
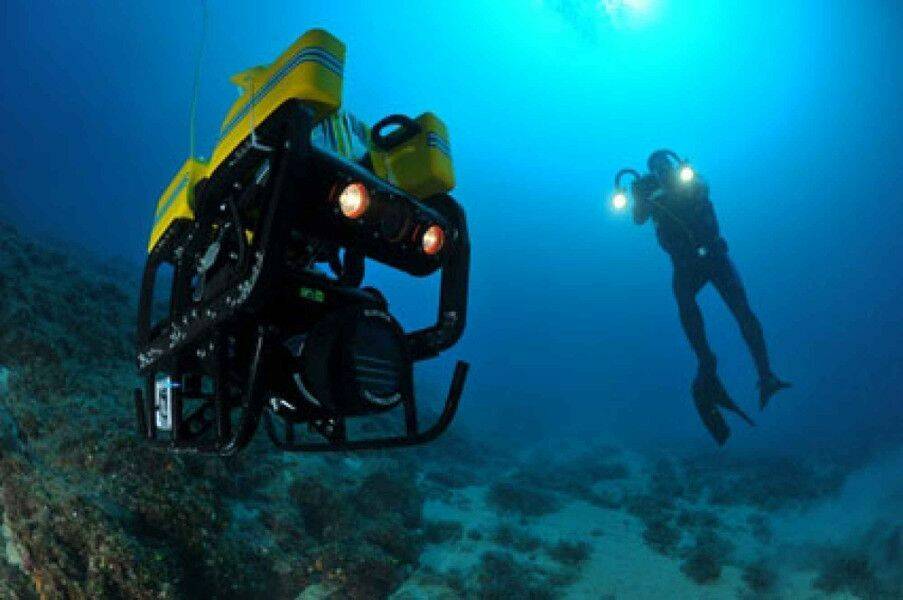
(686, 227)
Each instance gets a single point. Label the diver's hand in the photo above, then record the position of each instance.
(641, 211)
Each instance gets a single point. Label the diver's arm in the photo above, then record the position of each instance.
(709, 220)
(642, 206)
(642, 209)
(701, 189)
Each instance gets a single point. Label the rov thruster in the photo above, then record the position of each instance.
(252, 307)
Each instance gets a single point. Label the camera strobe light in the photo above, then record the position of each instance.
(354, 200)
(686, 174)
(619, 200)
(433, 240)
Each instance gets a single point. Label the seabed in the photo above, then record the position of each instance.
(88, 511)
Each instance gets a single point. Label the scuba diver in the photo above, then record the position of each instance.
(678, 202)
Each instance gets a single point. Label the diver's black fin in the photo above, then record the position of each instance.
(770, 386)
(740, 412)
(725, 401)
(712, 385)
(708, 395)
(710, 415)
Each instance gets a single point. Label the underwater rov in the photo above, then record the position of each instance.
(264, 247)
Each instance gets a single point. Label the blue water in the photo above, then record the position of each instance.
(789, 109)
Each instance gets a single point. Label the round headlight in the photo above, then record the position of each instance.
(354, 200)
(433, 240)
(619, 200)
(686, 174)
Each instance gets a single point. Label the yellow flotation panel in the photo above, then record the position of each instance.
(175, 201)
(310, 70)
(422, 165)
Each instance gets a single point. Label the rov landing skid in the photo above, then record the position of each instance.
(218, 365)
(150, 409)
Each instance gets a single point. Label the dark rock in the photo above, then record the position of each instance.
(703, 561)
(847, 573)
(571, 554)
(760, 577)
(766, 482)
(500, 577)
(760, 528)
(661, 536)
(452, 478)
(515, 538)
(514, 497)
(391, 493)
(439, 532)
(697, 519)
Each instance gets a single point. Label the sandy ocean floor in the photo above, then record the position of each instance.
(622, 565)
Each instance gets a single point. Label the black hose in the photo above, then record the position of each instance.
(622, 172)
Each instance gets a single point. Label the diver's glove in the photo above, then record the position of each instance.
(709, 395)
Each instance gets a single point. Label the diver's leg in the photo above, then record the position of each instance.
(686, 283)
(708, 393)
(727, 281)
(729, 285)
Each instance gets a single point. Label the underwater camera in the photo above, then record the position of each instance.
(252, 307)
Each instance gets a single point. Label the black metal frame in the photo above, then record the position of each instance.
(192, 342)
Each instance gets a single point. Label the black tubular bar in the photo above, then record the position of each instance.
(452, 317)
(452, 401)
(149, 409)
(140, 413)
(221, 391)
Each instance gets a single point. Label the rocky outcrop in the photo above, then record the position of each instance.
(89, 511)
